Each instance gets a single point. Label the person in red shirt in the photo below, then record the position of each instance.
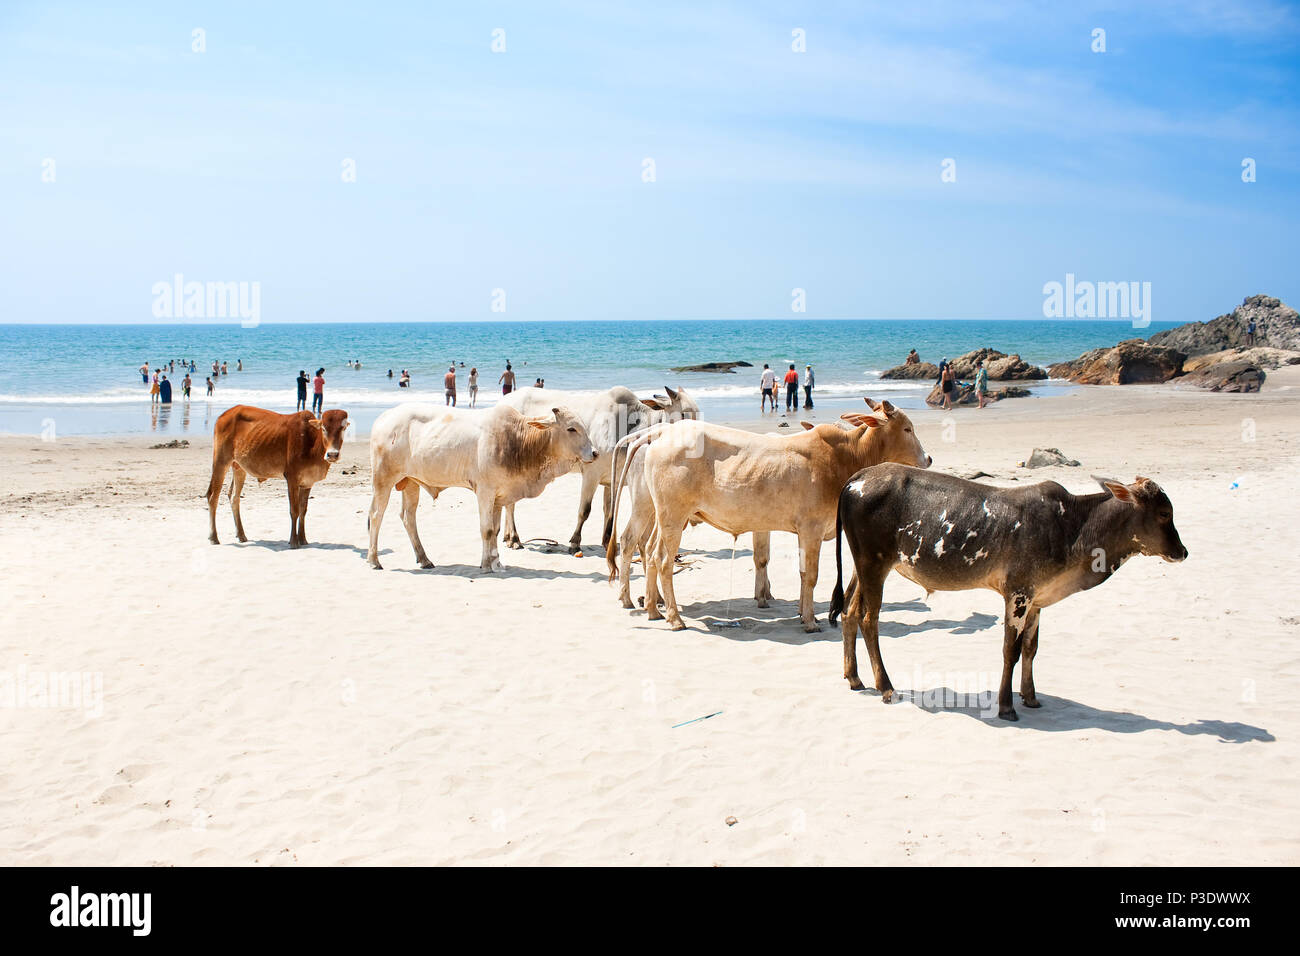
(318, 392)
(791, 390)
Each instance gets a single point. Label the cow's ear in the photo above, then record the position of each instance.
(539, 422)
(888, 408)
(808, 425)
(651, 403)
(672, 396)
(1117, 489)
(871, 403)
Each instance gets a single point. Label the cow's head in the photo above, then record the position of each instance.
(675, 405)
(332, 425)
(893, 433)
(1151, 519)
(568, 435)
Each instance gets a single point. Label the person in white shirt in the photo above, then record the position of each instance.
(768, 386)
(807, 386)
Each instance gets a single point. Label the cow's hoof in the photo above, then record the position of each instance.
(242, 539)
(855, 682)
(294, 545)
(426, 565)
(514, 544)
(1008, 715)
(574, 548)
(1030, 701)
(812, 628)
(679, 626)
(762, 602)
(627, 604)
(887, 696)
(212, 539)
(376, 565)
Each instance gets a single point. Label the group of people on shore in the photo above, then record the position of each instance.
(768, 390)
(160, 386)
(948, 382)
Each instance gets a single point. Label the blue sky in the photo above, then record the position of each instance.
(522, 170)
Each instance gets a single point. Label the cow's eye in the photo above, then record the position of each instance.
(574, 430)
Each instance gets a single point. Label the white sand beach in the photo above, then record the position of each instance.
(254, 705)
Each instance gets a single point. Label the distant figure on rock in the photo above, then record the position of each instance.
(912, 358)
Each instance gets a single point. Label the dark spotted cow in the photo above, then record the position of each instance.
(1034, 545)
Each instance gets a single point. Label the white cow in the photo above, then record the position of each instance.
(500, 454)
(607, 416)
(739, 481)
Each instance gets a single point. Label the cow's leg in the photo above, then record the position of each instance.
(489, 519)
(590, 479)
(634, 537)
(1016, 615)
(304, 496)
(219, 469)
(607, 501)
(762, 554)
(511, 534)
(411, 501)
(850, 623)
(810, 550)
(650, 560)
(380, 490)
(870, 594)
(236, 489)
(669, 531)
(295, 502)
(1027, 653)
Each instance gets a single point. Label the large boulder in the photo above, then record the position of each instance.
(1276, 325)
(1263, 357)
(1131, 362)
(920, 370)
(1238, 376)
(1001, 367)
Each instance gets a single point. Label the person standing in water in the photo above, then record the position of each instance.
(791, 390)
(767, 385)
(165, 391)
(153, 389)
(144, 373)
(210, 388)
(318, 392)
(185, 386)
(473, 387)
(449, 387)
(302, 390)
(507, 380)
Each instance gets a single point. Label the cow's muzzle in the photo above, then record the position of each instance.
(332, 456)
(1179, 555)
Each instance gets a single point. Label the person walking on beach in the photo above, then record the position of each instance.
(318, 392)
(982, 383)
(767, 386)
(507, 380)
(807, 386)
(185, 387)
(302, 390)
(449, 387)
(473, 387)
(946, 383)
(791, 390)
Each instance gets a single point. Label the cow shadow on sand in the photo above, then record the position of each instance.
(1062, 714)
(281, 544)
(508, 571)
(740, 619)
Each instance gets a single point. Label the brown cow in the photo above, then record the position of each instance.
(254, 441)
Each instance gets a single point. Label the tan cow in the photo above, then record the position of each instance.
(739, 481)
(254, 441)
(501, 455)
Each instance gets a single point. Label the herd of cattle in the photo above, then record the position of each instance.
(863, 477)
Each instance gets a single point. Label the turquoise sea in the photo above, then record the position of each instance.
(84, 379)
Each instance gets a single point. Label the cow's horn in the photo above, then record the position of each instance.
(671, 394)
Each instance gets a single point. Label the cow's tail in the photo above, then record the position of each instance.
(629, 445)
(837, 596)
